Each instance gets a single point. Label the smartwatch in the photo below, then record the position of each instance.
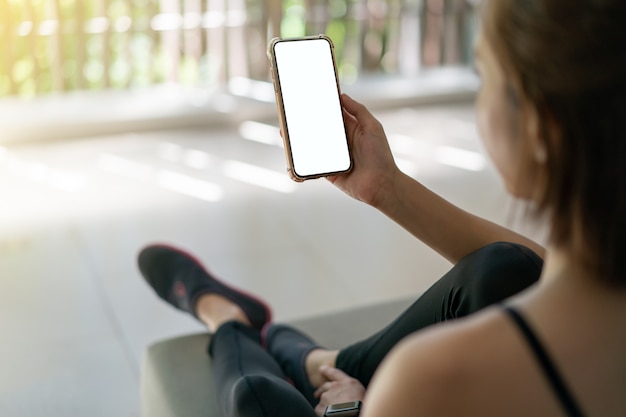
(349, 409)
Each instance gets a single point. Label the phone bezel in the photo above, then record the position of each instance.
(281, 109)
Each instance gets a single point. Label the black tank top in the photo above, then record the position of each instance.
(549, 369)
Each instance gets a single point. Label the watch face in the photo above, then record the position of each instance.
(349, 409)
(343, 413)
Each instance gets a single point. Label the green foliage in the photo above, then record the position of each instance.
(50, 45)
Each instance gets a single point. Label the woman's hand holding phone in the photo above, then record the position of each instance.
(374, 168)
(351, 151)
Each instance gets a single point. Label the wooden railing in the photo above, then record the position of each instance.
(64, 45)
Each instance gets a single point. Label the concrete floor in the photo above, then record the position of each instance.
(75, 315)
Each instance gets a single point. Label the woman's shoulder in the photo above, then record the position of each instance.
(462, 351)
(447, 369)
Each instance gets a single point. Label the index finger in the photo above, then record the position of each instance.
(333, 374)
(359, 111)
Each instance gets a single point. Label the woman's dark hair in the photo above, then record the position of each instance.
(568, 62)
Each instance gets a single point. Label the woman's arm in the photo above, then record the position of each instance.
(446, 228)
(376, 180)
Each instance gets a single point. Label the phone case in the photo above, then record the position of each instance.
(279, 101)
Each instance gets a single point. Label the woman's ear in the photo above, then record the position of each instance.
(535, 136)
(541, 153)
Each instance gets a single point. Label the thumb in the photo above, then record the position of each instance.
(358, 111)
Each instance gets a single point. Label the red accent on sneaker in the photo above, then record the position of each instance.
(179, 289)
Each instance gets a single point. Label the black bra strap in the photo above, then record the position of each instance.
(550, 371)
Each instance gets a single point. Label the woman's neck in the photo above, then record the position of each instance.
(560, 263)
(565, 277)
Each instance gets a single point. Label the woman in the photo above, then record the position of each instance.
(552, 114)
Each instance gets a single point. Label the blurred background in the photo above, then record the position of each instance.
(178, 58)
(69, 45)
(125, 122)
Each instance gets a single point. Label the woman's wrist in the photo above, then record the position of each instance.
(388, 193)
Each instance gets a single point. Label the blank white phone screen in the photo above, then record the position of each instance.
(312, 107)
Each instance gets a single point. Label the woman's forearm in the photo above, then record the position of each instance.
(449, 230)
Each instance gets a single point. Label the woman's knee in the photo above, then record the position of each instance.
(502, 269)
(505, 257)
(491, 274)
(267, 396)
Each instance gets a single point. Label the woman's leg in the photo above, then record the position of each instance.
(485, 277)
(248, 380)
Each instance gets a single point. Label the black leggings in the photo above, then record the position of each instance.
(250, 382)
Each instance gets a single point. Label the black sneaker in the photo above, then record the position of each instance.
(180, 279)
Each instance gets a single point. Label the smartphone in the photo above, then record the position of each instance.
(304, 74)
